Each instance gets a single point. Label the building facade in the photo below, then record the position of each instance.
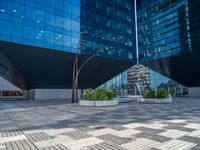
(169, 37)
(138, 79)
(39, 40)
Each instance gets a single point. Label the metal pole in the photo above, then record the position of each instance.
(136, 31)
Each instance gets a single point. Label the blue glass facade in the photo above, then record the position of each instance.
(105, 27)
(164, 29)
(169, 38)
(53, 24)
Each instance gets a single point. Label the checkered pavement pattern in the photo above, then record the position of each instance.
(55, 125)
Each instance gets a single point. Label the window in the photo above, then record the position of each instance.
(49, 37)
(49, 19)
(67, 24)
(75, 10)
(67, 7)
(28, 32)
(5, 27)
(67, 41)
(58, 21)
(17, 30)
(75, 42)
(18, 9)
(75, 26)
(39, 16)
(5, 6)
(50, 3)
(58, 39)
(39, 35)
(59, 4)
(29, 13)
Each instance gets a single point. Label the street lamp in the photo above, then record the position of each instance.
(136, 31)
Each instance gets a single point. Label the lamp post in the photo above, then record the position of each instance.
(77, 70)
(136, 31)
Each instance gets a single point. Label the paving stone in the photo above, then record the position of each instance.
(105, 146)
(80, 144)
(175, 123)
(114, 139)
(176, 145)
(140, 144)
(197, 147)
(149, 130)
(179, 128)
(173, 133)
(158, 138)
(56, 147)
(39, 136)
(116, 127)
(9, 133)
(57, 125)
(20, 145)
(191, 139)
(77, 135)
(12, 138)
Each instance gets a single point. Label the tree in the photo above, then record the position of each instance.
(76, 71)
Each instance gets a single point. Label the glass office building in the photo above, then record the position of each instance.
(107, 28)
(44, 34)
(169, 38)
(49, 24)
(101, 27)
(37, 36)
(164, 29)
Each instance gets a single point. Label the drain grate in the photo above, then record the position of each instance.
(100, 127)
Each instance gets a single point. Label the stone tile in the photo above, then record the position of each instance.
(179, 128)
(114, 139)
(126, 133)
(58, 140)
(154, 137)
(195, 133)
(175, 145)
(101, 132)
(56, 147)
(77, 135)
(105, 146)
(80, 144)
(190, 139)
(73, 126)
(140, 144)
(149, 130)
(20, 145)
(193, 126)
(197, 147)
(173, 133)
(39, 136)
(13, 138)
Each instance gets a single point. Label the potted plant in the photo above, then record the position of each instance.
(98, 98)
(156, 96)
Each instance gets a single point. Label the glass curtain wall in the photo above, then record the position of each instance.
(53, 24)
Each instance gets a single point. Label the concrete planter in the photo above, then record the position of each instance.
(98, 103)
(128, 99)
(155, 100)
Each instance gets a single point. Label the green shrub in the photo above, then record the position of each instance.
(163, 94)
(98, 95)
(156, 94)
(149, 94)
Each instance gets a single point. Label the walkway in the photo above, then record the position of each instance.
(46, 125)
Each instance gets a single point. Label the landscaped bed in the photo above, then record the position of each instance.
(98, 98)
(156, 96)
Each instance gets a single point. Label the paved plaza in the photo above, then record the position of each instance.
(55, 125)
